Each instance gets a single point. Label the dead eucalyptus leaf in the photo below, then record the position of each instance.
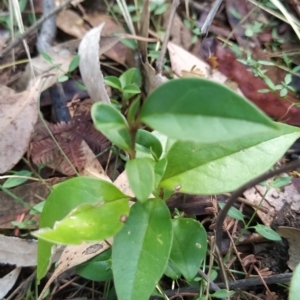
(293, 237)
(18, 115)
(61, 57)
(8, 281)
(74, 255)
(71, 22)
(90, 67)
(16, 251)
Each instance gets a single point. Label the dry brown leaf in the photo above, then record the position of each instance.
(293, 237)
(92, 166)
(16, 251)
(8, 281)
(180, 34)
(118, 52)
(71, 22)
(75, 255)
(90, 67)
(61, 56)
(18, 115)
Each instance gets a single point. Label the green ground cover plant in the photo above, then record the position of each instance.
(206, 140)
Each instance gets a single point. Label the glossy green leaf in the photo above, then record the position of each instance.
(131, 76)
(267, 232)
(65, 197)
(295, 286)
(112, 124)
(131, 89)
(233, 212)
(222, 293)
(189, 246)
(201, 110)
(87, 223)
(172, 271)
(74, 63)
(14, 181)
(140, 173)
(148, 143)
(213, 169)
(133, 110)
(113, 81)
(159, 170)
(141, 250)
(98, 268)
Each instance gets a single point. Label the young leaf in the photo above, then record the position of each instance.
(14, 181)
(131, 76)
(47, 57)
(74, 63)
(113, 81)
(295, 287)
(267, 232)
(149, 143)
(98, 268)
(133, 110)
(63, 78)
(140, 173)
(223, 167)
(131, 89)
(141, 250)
(233, 212)
(222, 294)
(112, 124)
(63, 199)
(189, 246)
(192, 109)
(159, 170)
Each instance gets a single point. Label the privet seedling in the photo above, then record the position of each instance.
(206, 140)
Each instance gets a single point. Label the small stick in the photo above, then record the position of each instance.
(210, 16)
(20, 38)
(239, 192)
(159, 63)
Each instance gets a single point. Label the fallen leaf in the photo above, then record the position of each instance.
(8, 281)
(16, 251)
(270, 103)
(71, 23)
(75, 255)
(118, 52)
(61, 56)
(90, 67)
(293, 237)
(18, 115)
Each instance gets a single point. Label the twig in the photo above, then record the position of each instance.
(242, 283)
(210, 16)
(20, 38)
(159, 63)
(239, 192)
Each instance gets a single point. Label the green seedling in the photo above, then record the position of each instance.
(197, 147)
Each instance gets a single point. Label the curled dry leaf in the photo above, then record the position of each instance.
(73, 256)
(18, 115)
(90, 67)
(293, 237)
(118, 52)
